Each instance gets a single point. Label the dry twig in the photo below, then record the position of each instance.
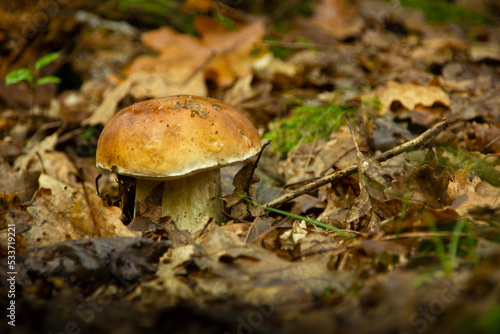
(438, 127)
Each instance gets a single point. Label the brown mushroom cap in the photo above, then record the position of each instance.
(176, 136)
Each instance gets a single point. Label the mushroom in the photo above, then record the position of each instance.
(174, 147)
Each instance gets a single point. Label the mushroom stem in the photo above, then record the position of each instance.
(187, 199)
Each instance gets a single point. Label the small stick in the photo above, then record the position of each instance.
(351, 130)
(438, 127)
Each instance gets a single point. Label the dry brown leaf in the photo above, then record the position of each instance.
(260, 226)
(306, 202)
(425, 116)
(24, 184)
(483, 137)
(373, 186)
(290, 239)
(232, 48)
(143, 85)
(268, 68)
(460, 184)
(24, 161)
(55, 185)
(183, 62)
(167, 290)
(338, 17)
(246, 274)
(241, 90)
(360, 208)
(409, 96)
(68, 216)
(483, 195)
(422, 186)
(438, 50)
(160, 39)
(223, 54)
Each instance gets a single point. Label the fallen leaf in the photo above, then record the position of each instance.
(291, 238)
(148, 85)
(68, 215)
(338, 17)
(48, 144)
(438, 50)
(232, 48)
(409, 96)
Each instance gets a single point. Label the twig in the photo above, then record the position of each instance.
(87, 200)
(352, 169)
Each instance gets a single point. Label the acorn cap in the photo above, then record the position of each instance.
(176, 136)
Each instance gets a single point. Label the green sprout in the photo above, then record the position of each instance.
(31, 76)
(448, 258)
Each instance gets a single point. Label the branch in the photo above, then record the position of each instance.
(438, 127)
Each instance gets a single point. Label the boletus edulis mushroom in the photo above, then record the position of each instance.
(175, 146)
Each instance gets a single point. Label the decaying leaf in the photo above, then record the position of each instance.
(372, 191)
(235, 202)
(142, 85)
(38, 149)
(70, 215)
(116, 261)
(291, 238)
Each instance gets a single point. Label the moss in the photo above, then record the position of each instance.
(306, 124)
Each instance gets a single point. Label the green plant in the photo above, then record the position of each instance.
(31, 76)
(225, 21)
(375, 102)
(148, 6)
(306, 123)
(444, 11)
(306, 219)
(448, 258)
(156, 13)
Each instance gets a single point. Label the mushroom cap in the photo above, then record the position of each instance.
(176, 136)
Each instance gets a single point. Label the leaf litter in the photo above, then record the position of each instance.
(388, 228)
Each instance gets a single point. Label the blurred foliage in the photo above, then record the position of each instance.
(225, 21)
(284, 52)
(477, 164)
(156, 13)
(277, 50)
(306, 124)
(444, 11)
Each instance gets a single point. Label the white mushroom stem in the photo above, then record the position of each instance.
(188, 198)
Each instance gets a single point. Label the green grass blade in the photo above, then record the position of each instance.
(455, 238)
(309, 220)
(438, 242)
